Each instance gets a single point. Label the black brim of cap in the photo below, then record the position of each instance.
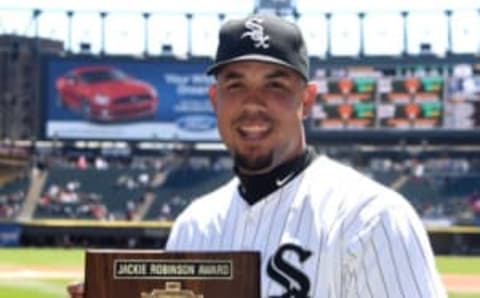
(254, 57)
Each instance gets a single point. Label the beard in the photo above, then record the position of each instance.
(253, 163)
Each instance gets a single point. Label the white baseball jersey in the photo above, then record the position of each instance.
(329, 232)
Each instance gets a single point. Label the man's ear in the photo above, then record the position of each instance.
(309, 96)
(212, 95)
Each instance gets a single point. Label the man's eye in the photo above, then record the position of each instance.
(276, 85)
(233, 86)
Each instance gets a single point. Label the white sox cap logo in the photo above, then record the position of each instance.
(256, 33)
(264, 38)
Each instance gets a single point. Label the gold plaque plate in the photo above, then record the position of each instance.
(172, 290)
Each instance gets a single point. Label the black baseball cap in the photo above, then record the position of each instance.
(265, 38)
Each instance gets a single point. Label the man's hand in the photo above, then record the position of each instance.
(76, 290)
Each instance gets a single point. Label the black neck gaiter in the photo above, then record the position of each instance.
(255, 187)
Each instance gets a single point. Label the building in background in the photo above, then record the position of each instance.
(20, 83)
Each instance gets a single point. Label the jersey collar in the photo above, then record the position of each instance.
(255, 187)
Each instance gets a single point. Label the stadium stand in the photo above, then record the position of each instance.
(461, 186)
(181, 187)
(159, 187)
(154, 188)
(92, 193)
(14, 181)
(12, 196)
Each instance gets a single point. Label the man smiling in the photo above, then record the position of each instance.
(323, 229)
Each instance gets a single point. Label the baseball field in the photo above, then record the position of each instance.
(42, 273)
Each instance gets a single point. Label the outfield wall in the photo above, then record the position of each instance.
(9, 234)
(153, 234)
(104, 234)
(455, 239)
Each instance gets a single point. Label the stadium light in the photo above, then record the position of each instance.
(361, 17)
(103, 16)
(296, 14)
(36, 14)
(221, 18)
(448, 14)
(328, 18)
(146, 17)
(70, 14)
(405, 32)
(189, 17)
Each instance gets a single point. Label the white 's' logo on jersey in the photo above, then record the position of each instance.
(256, 33)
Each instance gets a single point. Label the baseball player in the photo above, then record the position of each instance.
(323, 229)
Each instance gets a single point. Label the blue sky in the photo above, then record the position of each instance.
(125, 33)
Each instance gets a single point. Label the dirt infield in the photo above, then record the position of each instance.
(459, 283)
(462, 283)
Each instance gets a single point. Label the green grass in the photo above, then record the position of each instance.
(38, 288)
(459, 265)
(42, 257)
(33, 288)
(456, 295)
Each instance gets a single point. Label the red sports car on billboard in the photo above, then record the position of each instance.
(104, 93)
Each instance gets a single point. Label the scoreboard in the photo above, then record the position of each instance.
(345, 103)
(410, 102)
(382, 102)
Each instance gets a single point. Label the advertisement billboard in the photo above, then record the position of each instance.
(462, 107)
(9, 234)
(127, 99)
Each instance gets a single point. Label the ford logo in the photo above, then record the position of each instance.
(197, 122)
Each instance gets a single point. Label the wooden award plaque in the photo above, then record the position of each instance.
(159, 274)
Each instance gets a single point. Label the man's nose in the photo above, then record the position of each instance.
(254, 100)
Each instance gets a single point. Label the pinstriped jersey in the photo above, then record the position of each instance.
(329, 232)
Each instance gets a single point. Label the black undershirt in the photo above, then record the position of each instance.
(255, 187)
